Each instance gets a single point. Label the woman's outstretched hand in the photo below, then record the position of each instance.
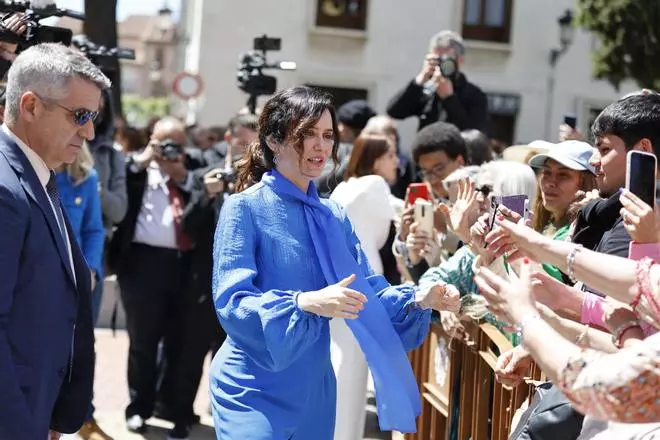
(334, 301)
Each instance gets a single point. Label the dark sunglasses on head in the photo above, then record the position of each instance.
(81, 115)
(485, 190)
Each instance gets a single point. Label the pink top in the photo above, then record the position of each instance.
(592, 304)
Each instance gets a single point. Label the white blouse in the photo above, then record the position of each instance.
(371, 207)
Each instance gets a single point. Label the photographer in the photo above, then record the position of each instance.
(150, 253)
(201, 331)
(441, 92)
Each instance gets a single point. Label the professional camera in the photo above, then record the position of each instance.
(101, 56)
(250, 76)
(170, 150)
(448, 66)
(37, 33)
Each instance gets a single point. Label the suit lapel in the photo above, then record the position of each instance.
(32, 186)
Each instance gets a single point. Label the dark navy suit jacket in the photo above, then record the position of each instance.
(46, 332)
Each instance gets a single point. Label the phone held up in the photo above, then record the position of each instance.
(424, 216)
(640, 175)
(516, 203)
(418, 191)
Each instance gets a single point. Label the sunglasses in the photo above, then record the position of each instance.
(485, 190)
(81, 116)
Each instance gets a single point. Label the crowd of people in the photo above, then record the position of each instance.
(292, 246)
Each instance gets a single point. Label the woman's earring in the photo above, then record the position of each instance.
(276, 158)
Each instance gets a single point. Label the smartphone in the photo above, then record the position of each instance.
(640, 175)
(418, 191)
(424, 216)
(570, 120)
(515, 203)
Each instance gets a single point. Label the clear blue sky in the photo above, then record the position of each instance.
(127, 7)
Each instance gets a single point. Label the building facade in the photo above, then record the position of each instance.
(372, 48)
(154, 40)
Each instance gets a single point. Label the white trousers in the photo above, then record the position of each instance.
(352, 372)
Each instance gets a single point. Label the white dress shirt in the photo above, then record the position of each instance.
(43, 174)
(371, 207)
(155, 223)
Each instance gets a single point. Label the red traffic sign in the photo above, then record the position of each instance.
(188, 85)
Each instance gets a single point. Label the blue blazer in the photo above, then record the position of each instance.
(82, 203)
(46, 332)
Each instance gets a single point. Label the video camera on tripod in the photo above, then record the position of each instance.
(102, 56)
(250, 76)
(36, 33)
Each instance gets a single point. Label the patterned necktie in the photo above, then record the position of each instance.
(183, 242)
(53, 194)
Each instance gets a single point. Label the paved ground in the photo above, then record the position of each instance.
(111, 392)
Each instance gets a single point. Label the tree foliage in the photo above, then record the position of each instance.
(629, 47)
(140, 110)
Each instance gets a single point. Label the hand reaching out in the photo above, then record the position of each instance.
(334, 301)
(641, 221)
(464, 212)
(512, 365)
(440, 297)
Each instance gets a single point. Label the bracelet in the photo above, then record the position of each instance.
(570, 259)
(527, 319)
(618, 333)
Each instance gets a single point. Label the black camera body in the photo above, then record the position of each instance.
(102, 56)
(448, 66)
(250, 76)
(37, 33)
(170, 150)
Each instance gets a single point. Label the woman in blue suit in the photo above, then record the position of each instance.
(285, 263)
(78, 186)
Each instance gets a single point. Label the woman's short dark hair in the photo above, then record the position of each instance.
(285, 117)
(367, 148)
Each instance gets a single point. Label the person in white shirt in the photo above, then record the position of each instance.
(365, 194)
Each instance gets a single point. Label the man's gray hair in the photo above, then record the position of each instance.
(45, 69)
(448, 40)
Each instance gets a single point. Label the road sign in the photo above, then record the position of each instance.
(188, 85)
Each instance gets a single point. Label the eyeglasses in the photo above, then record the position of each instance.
(80, 115)
(436, 172)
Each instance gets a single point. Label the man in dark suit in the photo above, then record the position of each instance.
(46, 332)
(149, 252)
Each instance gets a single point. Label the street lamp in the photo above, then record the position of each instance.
(566, 35)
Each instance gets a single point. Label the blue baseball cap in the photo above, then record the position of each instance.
(574, 155)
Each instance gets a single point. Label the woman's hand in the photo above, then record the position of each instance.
(550, 292)
(335, 301)
(512, 365)
(514, 239)
(641, 221)
(464, 212)
(451, 324)
(419, 244)
(617, 314)
(441, 297)
(509, 301)
(407, 219)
